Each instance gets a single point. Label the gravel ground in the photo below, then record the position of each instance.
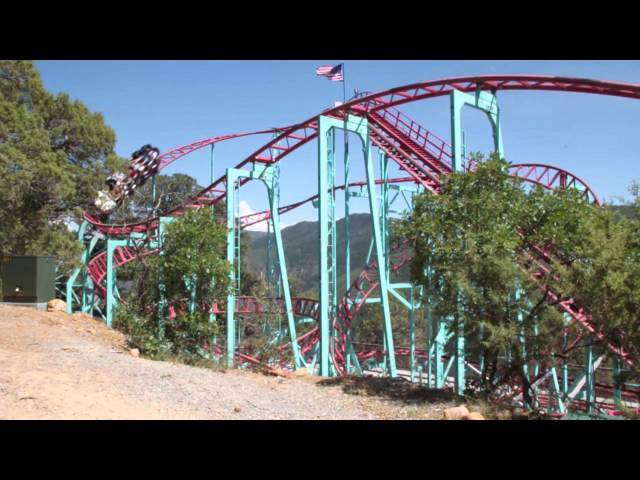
(59, 366)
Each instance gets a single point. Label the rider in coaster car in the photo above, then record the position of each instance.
(115, 182)
(144, 163)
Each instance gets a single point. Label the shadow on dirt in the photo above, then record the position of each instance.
(389, 388)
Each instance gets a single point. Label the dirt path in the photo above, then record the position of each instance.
(59, 366)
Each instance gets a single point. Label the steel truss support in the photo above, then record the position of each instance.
(412, 334)
(111, 301)
(274, 284)
(589, 375)
(326, 219)
(87, 299)
(347, 213)
(481, 100)
(268, 174)
(488, 103)
(617, 382)
(273, 187)
(162, 303)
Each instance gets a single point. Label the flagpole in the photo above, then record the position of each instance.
(344, 83)
(347, 240)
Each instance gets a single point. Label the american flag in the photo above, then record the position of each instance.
(333, 73)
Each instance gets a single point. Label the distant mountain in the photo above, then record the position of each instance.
(301, 244)
(624, 210)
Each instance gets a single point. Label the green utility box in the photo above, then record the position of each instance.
(28, 279)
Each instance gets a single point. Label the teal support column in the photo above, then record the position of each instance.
(438, 351)
(269, 261)
(72, 278)
(482, 100)
(274, 204)
(232, 178)
(565, 368)
(536, 364)
(486, 102)
(464, 145)
(412, 335)
(459, 355)
(333, 229)
(347, 221)
(213, 161)
(353, 364)
(383, 364)
(111, 301)
(555, 386)
(482, 358)
(87, 299)
(162, 309)
(521, 335)
(429, 327)
(429, 337)
(88, 288)
(323, 218)
(272, 289)
(271, 293)
(384, 207)
(380, 256)
(162, 303)
(438, 365)
(154, 193)
(326, 174)
(269, 175)
(384, 219)
(191, 287)
(111, 296)
(459, 341)
(494, 118)
(589, 387)
(457, 102)
(70, 282)
(617, 382)
(369, 252)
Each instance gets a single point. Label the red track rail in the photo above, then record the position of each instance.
(297, 135)
(415, 149)
(205, 197)
(255, 218)
(552, 177)
(98, 266)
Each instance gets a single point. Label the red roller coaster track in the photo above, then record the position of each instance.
(424, 156)
(293, 137)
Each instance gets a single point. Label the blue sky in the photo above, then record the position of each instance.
(171, 103)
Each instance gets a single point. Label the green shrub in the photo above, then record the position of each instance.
(192, 261)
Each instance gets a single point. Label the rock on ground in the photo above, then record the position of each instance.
(456, 413)
(56, 305)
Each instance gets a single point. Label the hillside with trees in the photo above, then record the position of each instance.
(301, 246)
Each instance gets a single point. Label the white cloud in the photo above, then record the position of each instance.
(245, 208)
